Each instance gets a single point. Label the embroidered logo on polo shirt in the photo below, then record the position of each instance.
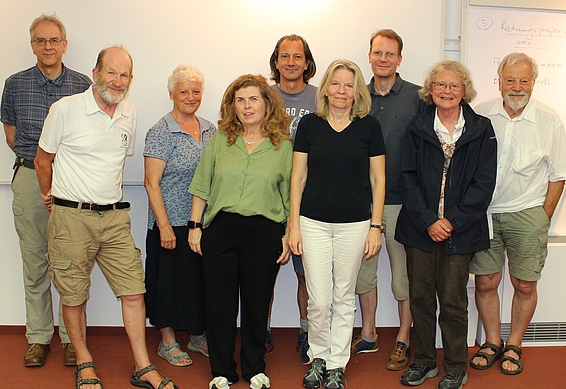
(124, 138)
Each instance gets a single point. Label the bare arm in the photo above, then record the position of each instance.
(44, 169)
(154, 168)
(298, 181)
(10, 132)
(553, 195)
(377, 181)
(199, 204)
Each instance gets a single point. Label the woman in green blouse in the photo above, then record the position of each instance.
(243, 177)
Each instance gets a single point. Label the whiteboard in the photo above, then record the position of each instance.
(223, 38)
(496, 32)
(493, 33)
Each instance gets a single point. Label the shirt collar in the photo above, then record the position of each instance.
(42, 79)
(395, 88)
(438, 126)
(172, 123)
(92, 105)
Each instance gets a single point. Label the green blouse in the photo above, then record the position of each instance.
(232, 180)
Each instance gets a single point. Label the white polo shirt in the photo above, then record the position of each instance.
(90, 148)
(531, 151)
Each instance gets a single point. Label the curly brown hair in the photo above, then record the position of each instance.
(276, 121)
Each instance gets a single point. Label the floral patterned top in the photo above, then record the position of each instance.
(181, 152)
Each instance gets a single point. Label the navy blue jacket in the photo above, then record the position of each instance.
(470, 182)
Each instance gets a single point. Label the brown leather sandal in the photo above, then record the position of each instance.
(515, 361)
(489, 358)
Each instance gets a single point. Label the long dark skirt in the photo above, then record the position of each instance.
(174, 280)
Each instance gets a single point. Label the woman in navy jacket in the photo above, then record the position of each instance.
(448, 169)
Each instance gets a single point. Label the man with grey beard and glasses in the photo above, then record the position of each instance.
(80, 165)
(531, 170)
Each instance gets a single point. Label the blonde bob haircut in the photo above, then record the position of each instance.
(362, 100)
(425, 93)
(276, 121)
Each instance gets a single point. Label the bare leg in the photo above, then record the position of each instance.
(168, 338)
(133, 313)
(487, 303)
(368, 306)
(302, 296)
(75, 321)
(522, 311)
(405, 320)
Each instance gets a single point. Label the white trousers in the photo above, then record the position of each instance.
(332, 256)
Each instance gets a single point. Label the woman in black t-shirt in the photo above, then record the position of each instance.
(337, 197)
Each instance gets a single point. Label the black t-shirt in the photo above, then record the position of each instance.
(338, 188)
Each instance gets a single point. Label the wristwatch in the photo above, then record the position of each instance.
(193, 224)
(380, 226)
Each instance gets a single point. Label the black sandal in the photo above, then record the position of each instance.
(86, 381)
(490, 358)
(136, 381)
(515, 361)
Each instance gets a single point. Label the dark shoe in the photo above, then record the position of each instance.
(453, 381)
(269, 343)
(334, 379)
(314, 377)
(417, 374)
(135, 379)
(36, 354)
(399, 358)
(303, 347)
(489, 358)
(70, 358)
(515, 361)
(360, 346)
(86, 381)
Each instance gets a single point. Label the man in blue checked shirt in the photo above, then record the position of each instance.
(26, 100)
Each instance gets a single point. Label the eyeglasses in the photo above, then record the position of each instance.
(442, 85)
(43, 41)
(388, 54)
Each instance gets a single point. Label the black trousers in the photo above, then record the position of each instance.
(240, 255)
(446, 276)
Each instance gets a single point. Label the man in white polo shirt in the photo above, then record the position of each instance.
(87, 137)
(531, 170)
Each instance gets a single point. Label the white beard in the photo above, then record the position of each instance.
(109, 97)
(516, 103)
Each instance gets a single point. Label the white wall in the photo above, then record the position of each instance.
(224, 39)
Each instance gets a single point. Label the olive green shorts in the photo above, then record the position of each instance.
(524, 236)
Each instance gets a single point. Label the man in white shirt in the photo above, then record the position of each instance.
(531, 170)
(79, 165)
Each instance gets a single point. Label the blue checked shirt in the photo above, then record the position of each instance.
(26, 100)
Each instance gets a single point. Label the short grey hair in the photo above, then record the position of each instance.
(512, 58)
(184, 73)
(48, 18)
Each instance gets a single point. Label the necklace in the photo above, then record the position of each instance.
(251, 142)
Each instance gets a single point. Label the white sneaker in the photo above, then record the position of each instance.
(219, 383)
(260, 381)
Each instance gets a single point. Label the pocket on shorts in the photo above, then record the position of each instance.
(59, 262)
(541, 257)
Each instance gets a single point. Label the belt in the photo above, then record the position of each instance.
(92, 207)
(24, 162)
